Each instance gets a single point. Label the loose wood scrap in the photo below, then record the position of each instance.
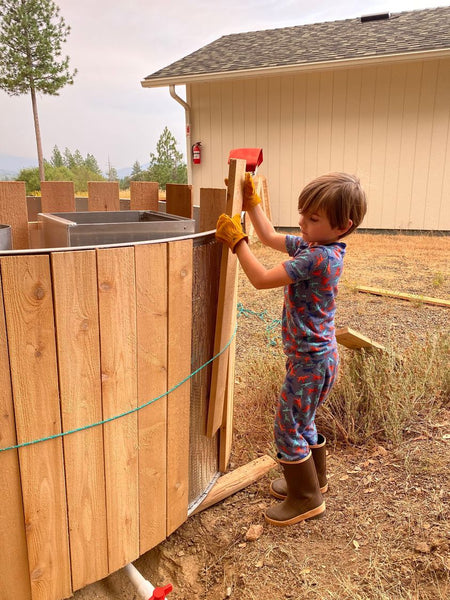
(237, 480)
(404, 296)
(352, 339)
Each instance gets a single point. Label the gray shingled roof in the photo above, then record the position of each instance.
(406, 32)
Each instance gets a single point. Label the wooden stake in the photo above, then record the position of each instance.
(237, 480)
(404, 296)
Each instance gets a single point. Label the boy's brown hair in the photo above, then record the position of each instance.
(339, 195)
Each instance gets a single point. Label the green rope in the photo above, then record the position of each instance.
(124, 414)
(272, 340)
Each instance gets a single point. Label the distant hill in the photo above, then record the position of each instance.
(11, 165)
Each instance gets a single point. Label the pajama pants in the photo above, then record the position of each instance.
(306, 386)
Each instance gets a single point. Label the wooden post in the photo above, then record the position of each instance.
(213, 202)
(179, 200)
(13, 211)
(103, 195)
(151, 301)
(57, 196)
(226, 307)
(144, 195)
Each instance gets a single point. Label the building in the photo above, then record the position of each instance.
(369, 95)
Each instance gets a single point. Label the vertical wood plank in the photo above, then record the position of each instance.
(213, 203)
(117, 309)
(226, 429)
(76, 313)
(31, 339)
(14, 575)
(179, 367)
(179, 200)
(144, 195)
(13, 211)
(225, 306)
(57, 196)
(103, 195)
(151, 298)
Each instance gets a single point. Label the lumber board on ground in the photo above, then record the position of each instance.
(353, 339)
(57, 196)
(178, 368)
(103, 195)
(77, 331)
(151, 305)
(403, 296)
(13, 211)
(14, 575)
(144, 195)
(28, 300)
(226, 308)
(117, 310)
(179, 200)
(236, 480)
(213, 202)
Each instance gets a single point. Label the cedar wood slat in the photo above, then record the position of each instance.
(179, 366)
(117, 308)
(14, 576)
(57, 196)
(225, 305)
(151, 300)
(31, 341)
(77, 328)
(103, 195)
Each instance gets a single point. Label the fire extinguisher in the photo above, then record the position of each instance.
(196, 153)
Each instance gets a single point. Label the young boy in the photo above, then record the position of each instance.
(330, 207)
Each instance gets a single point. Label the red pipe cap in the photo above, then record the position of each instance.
(160, 593)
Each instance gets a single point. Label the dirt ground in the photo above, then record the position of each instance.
(386, 532)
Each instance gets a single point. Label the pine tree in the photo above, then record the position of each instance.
(167, 166)
(31, 37)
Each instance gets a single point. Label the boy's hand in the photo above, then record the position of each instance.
(229, 231)
(250, 197)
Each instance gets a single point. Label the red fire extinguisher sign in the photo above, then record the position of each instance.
(196, 153)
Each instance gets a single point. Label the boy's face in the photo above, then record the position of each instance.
(316, 229)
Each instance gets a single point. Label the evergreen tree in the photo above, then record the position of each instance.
(31, 37)
(167, 166)
(57, 159)
(111, 175)
(92, 164)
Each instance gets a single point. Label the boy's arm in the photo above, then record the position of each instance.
(263, 227)
(260, 277)
(265, 230)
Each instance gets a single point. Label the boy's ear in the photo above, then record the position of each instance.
(345, 229)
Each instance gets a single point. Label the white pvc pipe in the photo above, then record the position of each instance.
(143, 587)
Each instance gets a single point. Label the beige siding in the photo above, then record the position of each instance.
(390, 124)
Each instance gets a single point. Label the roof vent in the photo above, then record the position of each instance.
(375, 17)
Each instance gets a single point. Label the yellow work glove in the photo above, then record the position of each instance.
(229, 231)
(250, 197)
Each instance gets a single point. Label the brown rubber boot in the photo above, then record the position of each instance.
(278, 487)
(303, 500)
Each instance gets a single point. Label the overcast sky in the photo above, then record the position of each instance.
(114, 45)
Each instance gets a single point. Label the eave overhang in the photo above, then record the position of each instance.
(297, 68)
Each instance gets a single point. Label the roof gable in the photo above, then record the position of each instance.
(401, 33)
